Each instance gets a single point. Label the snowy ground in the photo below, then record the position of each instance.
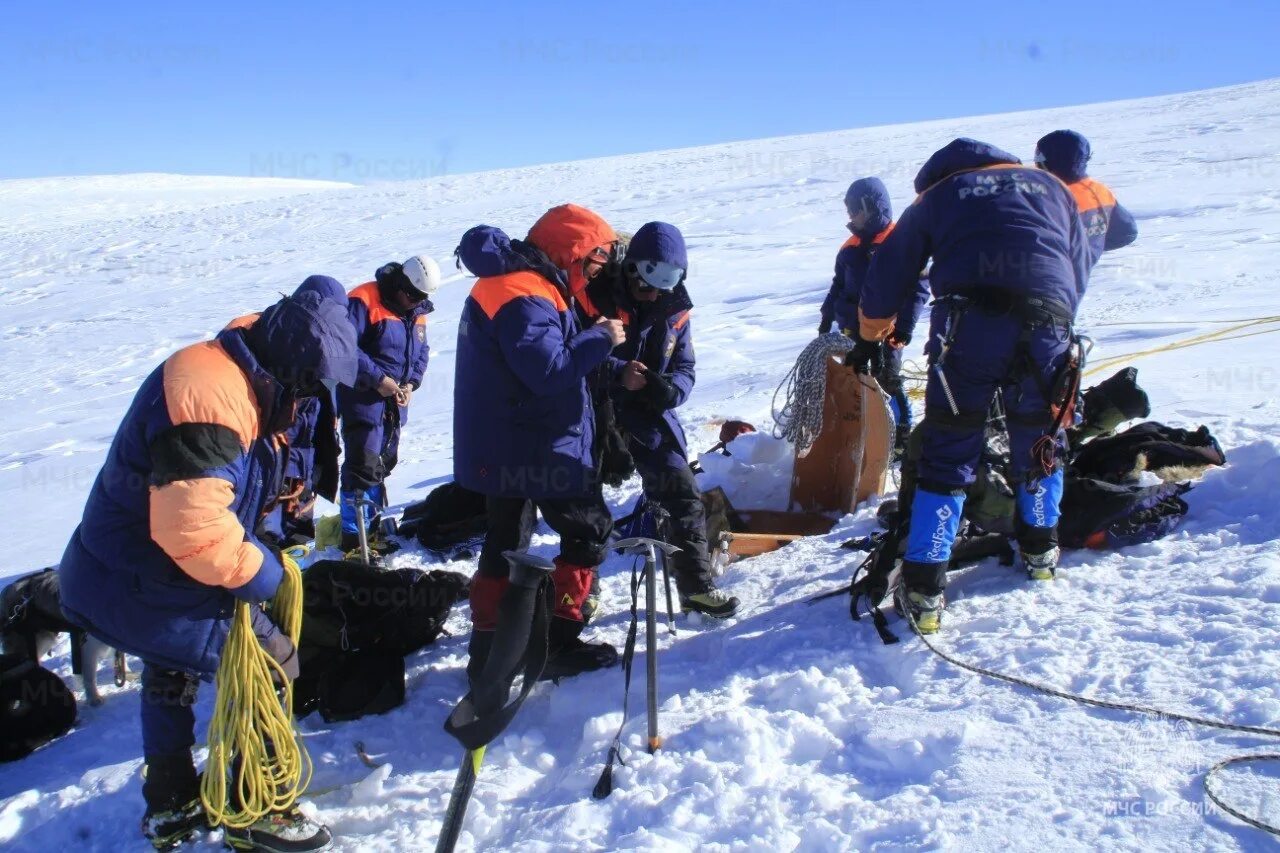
(790, 728)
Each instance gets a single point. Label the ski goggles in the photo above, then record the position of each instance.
(599, 258)
(656, 275)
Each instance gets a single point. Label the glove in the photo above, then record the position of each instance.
(658, 391)
(865, 357)
(824, 327)
(899, 338)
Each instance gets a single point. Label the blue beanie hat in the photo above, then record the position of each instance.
(1064, 153)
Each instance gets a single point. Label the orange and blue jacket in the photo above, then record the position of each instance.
(1107, 225)
(522, 418)
(167, 542)
(390, 345)
(986, 221)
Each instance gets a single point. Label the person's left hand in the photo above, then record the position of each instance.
(404, 395)
(865, 357)
(633, 376)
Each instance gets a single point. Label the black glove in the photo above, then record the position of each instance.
(900, 338)
(825, 326)
(865, 357)
(658, 391)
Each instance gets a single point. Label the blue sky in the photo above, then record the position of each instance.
(410, 89)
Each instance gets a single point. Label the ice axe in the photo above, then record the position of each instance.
(647, 548)
(360, 501)
(524, 618)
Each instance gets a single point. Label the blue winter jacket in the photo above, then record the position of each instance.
(854, 259)
(390, 345)
(522, 416)
(166, 544)
(659, 335)
(1107, 224)
(987, 222)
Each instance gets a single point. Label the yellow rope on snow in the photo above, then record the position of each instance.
(254, 722)
(918, 377)
(1208, 337)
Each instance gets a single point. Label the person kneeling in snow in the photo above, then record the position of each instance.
(871, 221)
(390, 319)
(1065, 154)
(522, 418)
(1010, 266)
(167, 545)
(650, 375)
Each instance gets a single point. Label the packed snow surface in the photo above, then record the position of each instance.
(789, 727)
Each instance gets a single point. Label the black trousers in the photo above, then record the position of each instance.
(583, 523)
(670, 483)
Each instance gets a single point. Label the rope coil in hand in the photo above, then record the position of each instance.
(253, 720)
(799, 421)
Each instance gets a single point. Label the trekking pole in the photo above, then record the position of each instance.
(648, 548)
(482, 715)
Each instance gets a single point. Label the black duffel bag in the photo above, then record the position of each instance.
(358, 624)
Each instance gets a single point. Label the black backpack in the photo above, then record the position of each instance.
(35, 707)
(449, 517)
(358, 624)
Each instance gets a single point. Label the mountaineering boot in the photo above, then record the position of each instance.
(925, 610)
(378, 545)
(168, 828)
(1039, 548)
(171, 789)
(1041, 567)
(575, 657)
(713, 602)
(570, 656)
(288, 831)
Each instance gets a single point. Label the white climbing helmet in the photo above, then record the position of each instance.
(423, 273)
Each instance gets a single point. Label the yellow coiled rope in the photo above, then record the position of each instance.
(253, 722)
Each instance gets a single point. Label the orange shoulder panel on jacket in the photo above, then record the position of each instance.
(880, 238)
(368, 294)
(204, 385)
(1090, 195)
(243, 322)
(854, 240)
(682, 320)
(496, 291)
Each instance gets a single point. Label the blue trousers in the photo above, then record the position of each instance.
(168, 696)
(370, 450)
(988, 353)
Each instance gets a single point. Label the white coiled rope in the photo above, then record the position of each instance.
(800, 419)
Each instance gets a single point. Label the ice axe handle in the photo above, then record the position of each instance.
(527, 570)
(642, 544)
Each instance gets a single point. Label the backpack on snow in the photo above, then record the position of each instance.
(449, 517)
(35, 707)
(358, 624)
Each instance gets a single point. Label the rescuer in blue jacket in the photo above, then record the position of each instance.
(1010, 266)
